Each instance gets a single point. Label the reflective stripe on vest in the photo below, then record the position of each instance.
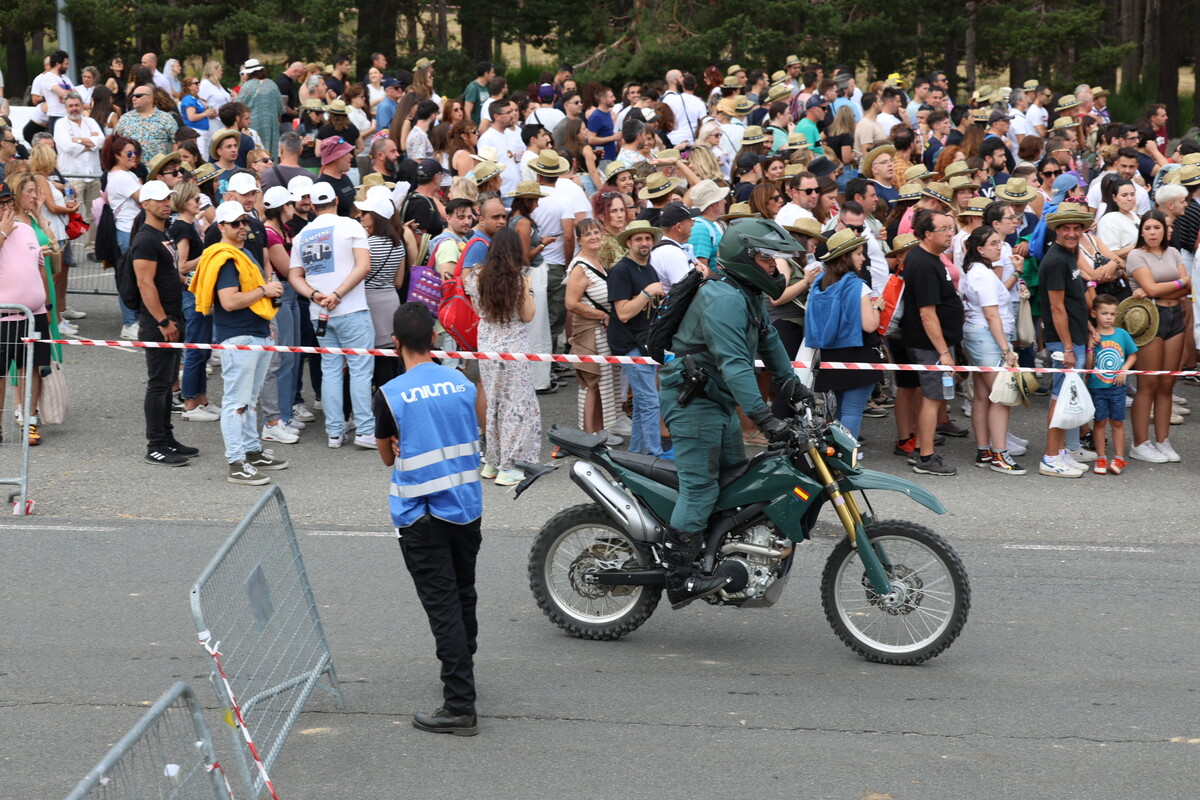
(435, 485)
(436, 455)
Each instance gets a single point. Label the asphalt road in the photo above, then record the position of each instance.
(1074, 677)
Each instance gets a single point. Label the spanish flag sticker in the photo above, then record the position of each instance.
(803, 495)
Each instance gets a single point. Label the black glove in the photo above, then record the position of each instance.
(772, 426)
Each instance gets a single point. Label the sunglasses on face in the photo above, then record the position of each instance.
(139, 94)
(267, 160)
(1050, 173)
(171, 172)
(856, 228)
(131, 154)
(237, 223)
(809, 191)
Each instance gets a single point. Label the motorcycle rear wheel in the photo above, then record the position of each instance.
(924, 614)
(577, 539)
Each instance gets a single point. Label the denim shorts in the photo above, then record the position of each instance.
(981, 346)
(1109, 402)
(1080, 362)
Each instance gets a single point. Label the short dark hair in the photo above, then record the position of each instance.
(568, 96)
(891, 93)
(868, 100)
(856, 187)
(412, 325)
(1104, 300)
(425, 110)
(483, 68)
(494, 107)
(937, 115)
(528, 132)
(496, 84)
(340, 58)
(58, 57)
(229, 113)
(923, 222)
(957, 114)
(1189, 146)
(852, 207)
(995, 212)
(1127, 152)
(457, 203)
(794, 181)
(990, 145)
(903, 137)
(631, 129)
(689, 82)
(920, 81)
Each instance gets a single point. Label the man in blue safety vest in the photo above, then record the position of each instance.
(427, 431)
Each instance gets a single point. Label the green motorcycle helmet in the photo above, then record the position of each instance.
(748, 237)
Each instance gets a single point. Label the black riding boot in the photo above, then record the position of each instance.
(684, 582)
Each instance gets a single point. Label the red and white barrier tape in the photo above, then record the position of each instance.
(214, 651)
(573, 359)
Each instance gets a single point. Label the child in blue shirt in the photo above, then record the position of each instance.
(1115, 351)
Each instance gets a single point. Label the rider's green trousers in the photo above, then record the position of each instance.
(706, 437)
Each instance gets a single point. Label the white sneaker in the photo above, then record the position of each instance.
(966, 408)
(1081, 455)
(1013, 439)
(624, 427)
(1015, 448)
(1176, 399)
(1128, 401)
(1146, 451)
(65, 327)
(337, 441)
(614, 440)
(1167, 451)
(1065, 457)
(208, 367)
(366, 442)
(1176, 409)
(279, 433)
(213, 407)
(316, 405)
(301, 412)
(295, 424)
(129, 332)
(200, 414)
(510, 477)
(70, 313)
(1057, 467)
(1176, 419)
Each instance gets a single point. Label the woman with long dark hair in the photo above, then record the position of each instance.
(503, 297)
(388, 279)
(104, 109)
(1118, 228)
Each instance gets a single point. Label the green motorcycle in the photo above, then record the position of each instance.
(893, 591)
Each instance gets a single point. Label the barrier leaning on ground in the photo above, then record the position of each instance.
(168, 753)
(14, 433)
(257, 619)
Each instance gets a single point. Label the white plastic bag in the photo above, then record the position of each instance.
(1074, 405)
(1004, 389)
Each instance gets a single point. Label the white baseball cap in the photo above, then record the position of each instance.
(299, 186)
(277, 196)
(229, 211)
(243, 183)
(381, 205)
(154, 190)
(321, 194)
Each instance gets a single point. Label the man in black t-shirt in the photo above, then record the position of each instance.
(160, 319)
(336, 157)
(931, 327)
(243, 189)
(634, 289)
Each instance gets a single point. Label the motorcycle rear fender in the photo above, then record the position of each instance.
(870, 479)
(616, 502)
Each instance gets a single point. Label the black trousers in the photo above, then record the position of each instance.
(162, 368)
(440, 556)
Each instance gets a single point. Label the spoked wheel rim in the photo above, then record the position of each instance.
(918, 611)
(589, 547)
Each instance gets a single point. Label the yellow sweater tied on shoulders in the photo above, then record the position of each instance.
(250, 277)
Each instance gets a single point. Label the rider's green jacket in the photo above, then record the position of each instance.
(724, 330)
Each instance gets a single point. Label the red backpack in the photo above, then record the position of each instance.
(455, 313)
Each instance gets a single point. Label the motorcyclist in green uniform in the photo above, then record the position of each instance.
(722, 333)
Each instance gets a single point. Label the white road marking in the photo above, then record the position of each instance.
(36, 527)
(1088, 548)
(350, 533)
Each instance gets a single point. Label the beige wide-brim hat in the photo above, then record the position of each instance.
(312, 104)
(1030, 85)
(753, 135)
(806, 227)
(975, 207)
(1070, 214)
(616, 168)
(962, 182)
(638, 226)
(1189, 175)
(657, 185)
(795, 141)
(1065, 102)
(917, 172)
(956, 168)
(911, 191)
(1139, 318)
(733, 70)
(1099, 91)
(550, 164)
(843, 242)
(738, 211)
(528, 189)
(160, 161)
(939, 191)
(1016, 191)
(1064, 123)
(869, 159)
(375, 179)
(902, 244)
(706, 192)
(220, 137)
(205, 172)
(486, 170)
(777, 93)
(336, 107)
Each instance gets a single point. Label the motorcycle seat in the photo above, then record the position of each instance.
(662, 470)
(576, 442)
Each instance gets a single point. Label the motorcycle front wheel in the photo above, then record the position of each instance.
(925, 611)
(574, 541)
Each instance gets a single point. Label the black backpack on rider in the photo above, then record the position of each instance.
(669, 314)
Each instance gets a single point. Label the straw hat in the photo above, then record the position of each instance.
(667, 155)
(549, 164)
(1027, 384)
(374, 179)
(842, 242)
(753, 135)
(980, 115)
(962, 182)
(730, 82)
(529, 189)
(738, 211)
(956, 168)
(869, 159)
(657, 185)
(422, 63)
(205, 172)
(1016, 191)
(983, 92)
(975, 207)
(312, 104)
(336, 107)
(903, 243)
(1099, 91)
(1190, 158)
(160, 161)
(1064, 123)
(1070, 213)
(911, 191)
(614, 169)
(1030, 85)
(1189, 175)
(638, 226)
(777, 92)
(1139, 317)
(795, 141)
(221, 136)
(734, 69)
(485, 153)
(1065, 102)
(790, 60)
(938, 191)
(806, 226)
(486, 170)
(917, 172)
(779, 76)
(738, 106)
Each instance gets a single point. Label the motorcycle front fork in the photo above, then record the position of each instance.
(852, 520)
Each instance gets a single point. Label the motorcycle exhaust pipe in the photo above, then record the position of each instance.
(624, 510)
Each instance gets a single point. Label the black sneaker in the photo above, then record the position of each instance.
(948, 428)
(933, 466)
(243, 473)
(1087, 441)
(984, 457)
(177, 406)
(166, 457)
(443, 721)
(1004, 464)
(184, 450)
(264, 459)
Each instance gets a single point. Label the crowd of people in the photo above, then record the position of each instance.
(1025, 225)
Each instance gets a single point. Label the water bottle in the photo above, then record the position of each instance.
(70, 193)
(948, 385)
(322, 323)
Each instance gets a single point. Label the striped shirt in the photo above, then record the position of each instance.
(386, 259)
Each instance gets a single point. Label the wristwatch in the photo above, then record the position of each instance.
(164, 322)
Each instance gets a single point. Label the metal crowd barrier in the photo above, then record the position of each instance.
(87, 276)
(167, 754)
(14, 429)
(255, 612)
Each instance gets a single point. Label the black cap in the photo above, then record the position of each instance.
(429, 166)
(5, 192)
(674, 213)
(822, 167)
(749, 160)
